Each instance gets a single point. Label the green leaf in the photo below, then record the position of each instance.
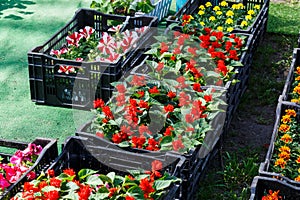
(162, 184)
(178, 66)
(49, 188)
(94, 180)
(71, 195)
(83, 173)
(135, 192)
(166, 140)
(98, 196)
(69, 186)
(105, 178)
(124, 144)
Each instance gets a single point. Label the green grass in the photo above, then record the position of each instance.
(284, 18)
(26, 25)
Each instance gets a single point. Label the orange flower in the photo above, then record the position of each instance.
(298, 160)
(296, 89)
(298, 70)
(284, 128)
(291, 112)
(286, 119)
(272, 195)
(286, 138)
(297, 78)
(297, 178)
(284, 155)
(280, 162)
(285, 149)
(295, 100)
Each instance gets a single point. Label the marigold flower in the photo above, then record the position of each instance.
(297, 78)
(286, 138)
(298, 70)
(257, 7)
(298, 160)
(229, 29)
(244, 23)
(291, 112)
(272, 195)
(224, 3)
(216, 8)
(295, 100)
(284, 155)
(250, 12)
(220, 28)
(280, 162)
(297, 178)
(229, 13)
(284, 128)
(212, 18)
(201, 12)
(286, 119)
(219, 13)
(248, 17)
(296, 89)
(201, 7)
(229, 21)
(208, 4)
(202, 23)
(285, 148)
(240, 6)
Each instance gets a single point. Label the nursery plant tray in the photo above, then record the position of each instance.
(46, 157)
(92, 81)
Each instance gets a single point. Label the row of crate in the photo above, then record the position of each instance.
(268, 180)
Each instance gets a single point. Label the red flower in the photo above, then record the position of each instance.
(55, 182)
(197, 87)
(168, 131)
(107, 112)
(141, 94)
(30, 187)
(163, 47)
(171, 94)
(176, 50)
(160, 66)
(121, 99)
(156, 165)
(177, 144)
(84, 192)
(144, 104)
(221, 67)
(208, 98)
(233, 55)
(216, 44)
(69, 172)
(126, 129)
(239, 42)
(169, 108)
(184, 99)
(42, 184)
(129, 198)
(146, 186)
(121, 88)
(189, 118)
(51, 172)
(192, 51)
(112, 192)
(154, 90)
(144, 129)
(218, 34)
(228, 45)
(152, 145)
(138, 142)
(173, 58)
(181, 82)
(138, 80)
(98, 103)
(207, 30)
(51, 195)
(117, 138)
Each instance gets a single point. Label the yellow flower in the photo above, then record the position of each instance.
(219, 13)
(297, 178)
(297, 78)
(298, 160)
(284, 155)
(251, 12)
(240, 6)
(220, 28)
(202, 23)
(286, 138)
(217, 8)
(229, 21)
(284, 128)
(229, 29)
(229, 13)
(202, 7)
(244, 23)
(224, 3)
(280, 162)
(212, 18)
(234, 6)
(298, 70)
(257, 7)
(286, 119)
(201, 12)
(285, 148)
(296, 89)
(208, 4)
(295, 100)
(248, 17)
(291, 112)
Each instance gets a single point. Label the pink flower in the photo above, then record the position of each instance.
(17, 158)
(106, 44)
(3, 182)
(66, 69)
(115, 28)
(87, 32)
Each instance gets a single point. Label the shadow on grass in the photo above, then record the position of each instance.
(18, 5)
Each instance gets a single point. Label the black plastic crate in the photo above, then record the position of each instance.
(265, 167)
(261, 185)
(257, 29)
(291, 76)
(78, 90)
(79, 153)
(46, 157)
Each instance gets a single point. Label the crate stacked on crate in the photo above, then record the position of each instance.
(257, 29)
(272, 188)
(283, 158)
(45, 158)
(290, 90)
(66, 83)
(112, 166)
